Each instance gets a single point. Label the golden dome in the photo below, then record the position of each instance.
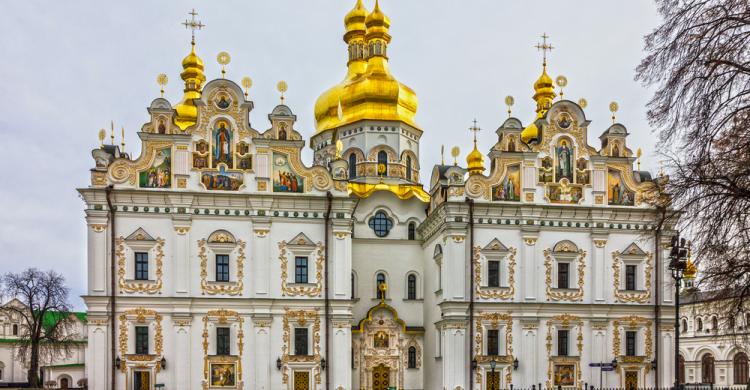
(368, 91)
(475, 161)
(544, 93)
(690, 270)
(192, 74)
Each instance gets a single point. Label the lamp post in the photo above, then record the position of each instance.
(677, 264)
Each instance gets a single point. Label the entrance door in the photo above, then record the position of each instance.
(493, 381)
(64, 383)
(631, 380)
(380, 376)
(301, 380)
(141, 380)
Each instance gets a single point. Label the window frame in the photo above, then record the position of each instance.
(631, 343)
(411, 287)
(301, 348)
(380, 294)
(708, 368)
(411, 357)
(493, 342)
(223, 341)
(219, 273)
(352, 165)
(301, 269)
(140, 266)
(563, 276)
(631, 272)
(493, 267)
(141, 340)
(381, 224)
(563, 343)
(411, 228)
(740, 370)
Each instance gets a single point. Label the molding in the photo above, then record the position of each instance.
(148, 287)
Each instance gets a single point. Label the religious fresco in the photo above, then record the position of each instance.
(510, 187)
(222, 180)
(223, 375)
(545, 172)
(380, 340)
(583, 175)
(617, 193)
(564, 120)
(244, 160)
(565, 193)
(159, 175)
(564, 157)
(615, 151)
(221, 150)
(565, 375)
(223, 102)
(284, 178)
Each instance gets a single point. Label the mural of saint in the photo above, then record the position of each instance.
(222, 147)
(615, 150)
(510, 188)
(223, 375)
(545, 172)
(565, 375)
(617, 193)
(284, 178)
(222, 180)
(223, 103)
(159, 175)
(199, 161)
(380, 340)
(511, 144)
(582, 174)
(564, 161)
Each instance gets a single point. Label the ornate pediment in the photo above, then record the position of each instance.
(139, 235)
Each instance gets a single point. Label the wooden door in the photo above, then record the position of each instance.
(380, 377)
(64, 383)
(301, 380)
(141, 380)
(493, 380)
(631, 380)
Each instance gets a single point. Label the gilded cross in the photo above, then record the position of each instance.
(193, 24)
(475, 129)
(544, 47)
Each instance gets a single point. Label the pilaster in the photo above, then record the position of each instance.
(529, 266)
(599, 266)
(180, 260)
(340, 264)
(340, 360)
(182, 351)
(98, 250)
(261, 355)
(260, 260)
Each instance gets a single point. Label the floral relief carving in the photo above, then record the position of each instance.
(123, 170)
(564, 295)
(313, 290)
(566, 321)
(493, 321)
(300, 318)
(148, 287)
(223, 317)
(141, 315)
(228, 288)
(620, 294)
(633, 322)
(495, 292)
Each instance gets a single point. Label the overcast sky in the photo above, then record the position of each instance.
(69, 67)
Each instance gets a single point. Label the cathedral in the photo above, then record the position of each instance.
(218, 259)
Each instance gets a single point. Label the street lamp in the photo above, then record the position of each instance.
(677, 264)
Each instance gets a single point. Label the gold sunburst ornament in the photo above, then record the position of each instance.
(282, 87)
(509, 101)
(613, 107)
(102, 135)
(223, 58)
(583, 103)
(638, 154)
(561, 82)
(162, 80)
(247, 82)
(455, 152)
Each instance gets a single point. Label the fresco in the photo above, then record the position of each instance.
(284, 178)
(222, 180)
(159, 175)
(565, 375)
(545, 172)
(617, 193)
(564, 193)
(221, 150)
(582, 173)
(223, 375)
(564, 156)
(510, 187)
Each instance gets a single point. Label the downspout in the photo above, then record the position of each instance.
(657, 305)
(325, 283)
(470, 202)
(112, 299)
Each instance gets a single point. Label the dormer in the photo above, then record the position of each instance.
(613, 142)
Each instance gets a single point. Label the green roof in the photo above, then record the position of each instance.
(67, 365)
(53, 317)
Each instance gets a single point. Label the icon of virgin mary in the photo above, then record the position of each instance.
(222, 145)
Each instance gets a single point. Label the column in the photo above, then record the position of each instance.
(341, 359)
(260, 358)
(179, 262)
(599, 267)
(181, 353)
(529, 267)
(260, 252)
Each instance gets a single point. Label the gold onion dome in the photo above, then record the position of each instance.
(690, 270)
(368, 91)
(544, 93)
(192, 74)
(475, 161)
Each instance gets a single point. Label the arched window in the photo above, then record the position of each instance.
(715, 324)
(380, 279)
(412, 231)
(681, 371)
(408, 167)
(354, 287)
(707, 368)
(382, 163)
(684, 326)
(15, 329)
(352, 166)
(380, 224)
(411, 287)
(412, 360)
(698, 325)
(740, 368)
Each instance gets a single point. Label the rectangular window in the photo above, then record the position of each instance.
(630, 271)
(493, 347)
(300, 269)
(300, 341)
(562, 342)
(630, 338)
(222, 341)
(563, 275)
(493, 273)
(141, 265)
(141, 340)
(222, 268)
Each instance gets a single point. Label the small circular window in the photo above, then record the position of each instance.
(380, 224)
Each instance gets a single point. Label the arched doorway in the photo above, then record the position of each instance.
(707, 368)
(381, 377)
(64, 383)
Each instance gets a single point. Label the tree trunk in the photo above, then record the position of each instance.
(33, 374)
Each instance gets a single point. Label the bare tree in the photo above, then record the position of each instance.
(698, 60)
(47, 325)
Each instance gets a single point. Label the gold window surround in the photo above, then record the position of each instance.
(564, 321)
(139, 240)
(222, 242)
(507, 255)
(223, 317)
(569, 251)
(631, 254)
(141, 316)
(638, 323)
(302, 245)
(486, 321)
(301, 318)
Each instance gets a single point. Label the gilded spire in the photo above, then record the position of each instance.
(192, 75)
(475, 159)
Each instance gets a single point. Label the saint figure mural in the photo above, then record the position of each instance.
(222, 145)
(564, 161)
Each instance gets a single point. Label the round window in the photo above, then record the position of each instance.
(380, 224)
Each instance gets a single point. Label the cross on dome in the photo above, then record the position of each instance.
(193, 24)
(544, 47)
